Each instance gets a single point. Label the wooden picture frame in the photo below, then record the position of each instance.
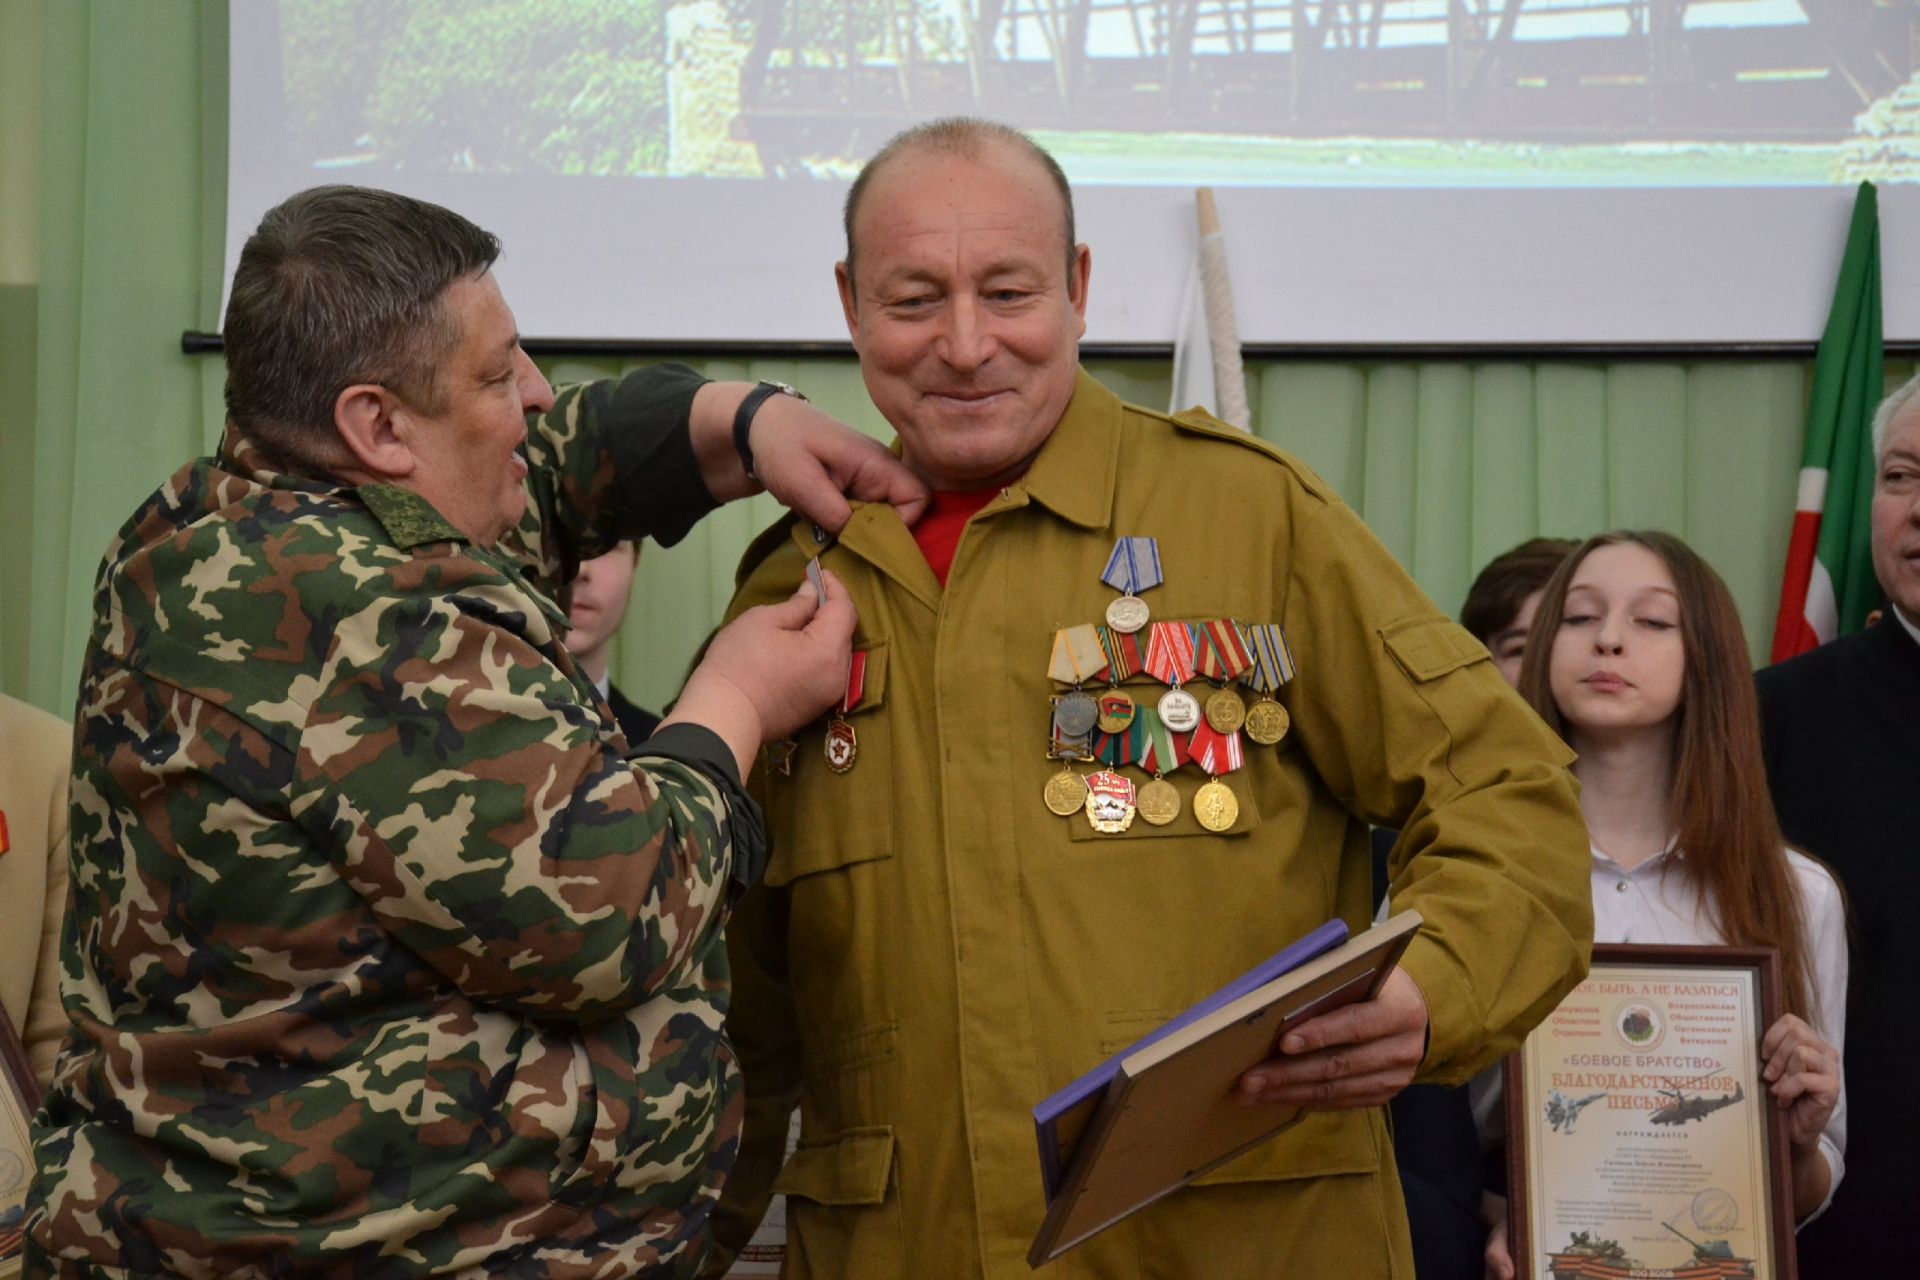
(1638, 1105)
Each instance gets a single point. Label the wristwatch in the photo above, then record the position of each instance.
(743, 418)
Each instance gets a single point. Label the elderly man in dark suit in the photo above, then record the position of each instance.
(1843, 742)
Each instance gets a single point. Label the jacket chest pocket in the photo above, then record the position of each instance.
(833, 807)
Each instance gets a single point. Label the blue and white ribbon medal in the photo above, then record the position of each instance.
(1133, 567)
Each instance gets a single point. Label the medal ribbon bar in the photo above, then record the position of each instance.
(1219, 652)
(1272, 658)
(1077, 655)
(1122, 650)
(856, 681)
(1213, 751)
(1124, 747)
(1163, 752)
(1133, 566)
(1170, 653)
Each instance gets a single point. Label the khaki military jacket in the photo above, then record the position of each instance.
(934, 951)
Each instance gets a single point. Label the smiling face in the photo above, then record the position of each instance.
(467, 459)
(964, 311)
(1896, 513)
(1618, 660)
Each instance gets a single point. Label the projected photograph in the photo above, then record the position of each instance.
(1390, 93)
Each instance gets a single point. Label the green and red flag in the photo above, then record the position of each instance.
(1829, 587)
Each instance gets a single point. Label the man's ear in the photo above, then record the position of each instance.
(1077, 278)
(843, 277)
(364, 417)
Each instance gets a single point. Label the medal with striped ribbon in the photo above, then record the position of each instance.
(1215, 806)
(1170, 661)
(843, 747)
(1132, 567)
(1272, 667)
(1122, 652)
(1220, 655)
(1159, 800)
(1077, 658)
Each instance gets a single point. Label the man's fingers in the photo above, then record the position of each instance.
(887, 480)
(1366, 1090)
(1356, 1023)
(794, 612)
(814, 495)
(1398, 1056)
(834, 620)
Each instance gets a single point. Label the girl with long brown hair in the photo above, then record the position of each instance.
(1636, 657)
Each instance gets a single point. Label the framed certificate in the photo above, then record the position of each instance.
(19, 1098)
(1641, 1139)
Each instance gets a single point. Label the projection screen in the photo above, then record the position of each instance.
(1394, 172)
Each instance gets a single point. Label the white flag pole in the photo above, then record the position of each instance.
(1223, 331)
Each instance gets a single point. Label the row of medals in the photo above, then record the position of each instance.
(1215, 807)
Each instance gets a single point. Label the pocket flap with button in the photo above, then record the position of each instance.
(851, 1167)
(1428, 648)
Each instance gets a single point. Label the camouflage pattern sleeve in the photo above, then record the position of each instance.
(612, 460)
(481, 810)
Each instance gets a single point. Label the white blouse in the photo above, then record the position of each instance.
(1644, 905)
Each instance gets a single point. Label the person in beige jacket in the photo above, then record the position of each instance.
(936, 946)
(36, 755)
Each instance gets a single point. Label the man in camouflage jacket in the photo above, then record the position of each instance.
(389, 955)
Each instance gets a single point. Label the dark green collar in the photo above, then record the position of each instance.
(408, 518)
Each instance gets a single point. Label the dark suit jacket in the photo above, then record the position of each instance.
(1437, 1152)
(637, 723)
(1842, 731)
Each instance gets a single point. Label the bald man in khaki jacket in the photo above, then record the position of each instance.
(36, 752)
(936, 947)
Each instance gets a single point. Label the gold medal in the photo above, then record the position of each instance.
(1267, 722)
(1215, 807)
(1158, 802)
(1110, 806)
(842, 746)
(1066, 793)
(1116, 711)
(1225, 711)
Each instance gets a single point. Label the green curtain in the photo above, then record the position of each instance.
(1449, 462)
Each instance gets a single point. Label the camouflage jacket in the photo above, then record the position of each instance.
(383, 961)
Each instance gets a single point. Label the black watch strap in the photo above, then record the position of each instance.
(743, 419)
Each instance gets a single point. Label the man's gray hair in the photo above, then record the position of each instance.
(1903, 397)
(339, 286)
(958, 135)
